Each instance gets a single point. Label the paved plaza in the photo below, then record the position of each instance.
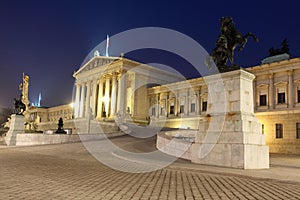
(68, 171)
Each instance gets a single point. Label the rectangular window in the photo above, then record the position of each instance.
(263, 100)
(204, 105)
(181, 109)
(298, 130)
(279, 131)
(161, 111)
(193, 107)
(298, 94)
(263, 129)
(281, 97)
(171, 110)
(153, 111)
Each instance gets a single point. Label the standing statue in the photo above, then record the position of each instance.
(20, 107)
(60, 126)
(227, 41)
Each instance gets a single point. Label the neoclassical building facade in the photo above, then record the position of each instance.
(276, 93)
(277, 103)
(109, 86)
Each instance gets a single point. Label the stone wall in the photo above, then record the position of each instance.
(27, 139)
(229, 134)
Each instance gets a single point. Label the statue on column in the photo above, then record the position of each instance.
(226, 43)
(24, 88)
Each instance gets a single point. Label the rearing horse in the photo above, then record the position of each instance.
(234, 37)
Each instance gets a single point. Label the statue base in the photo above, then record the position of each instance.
(60, 131)
(226, 68)
(16, 127)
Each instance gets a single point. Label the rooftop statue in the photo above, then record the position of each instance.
(227, 42)
(284, 49)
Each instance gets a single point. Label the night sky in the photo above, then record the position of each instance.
(48, 40)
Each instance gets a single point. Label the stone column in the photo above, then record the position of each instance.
(77, 101)
(113, 95)
(167, 109)
(187, 103)
(88, 101)
(106, 95)
(94, 97)
(157, 106)
(254, 95)
(198, 100)
(291, 90)
(122, 97)
(100, 96)
(82, 100)
(176, 101)
(271, 92)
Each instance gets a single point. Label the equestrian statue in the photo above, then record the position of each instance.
(228, 40)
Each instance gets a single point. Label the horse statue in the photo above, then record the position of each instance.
(20, 107)
(227, 42)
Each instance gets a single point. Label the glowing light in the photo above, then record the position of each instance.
(71, 105)
(105, 99)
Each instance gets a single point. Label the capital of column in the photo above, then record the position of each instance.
(271, 75)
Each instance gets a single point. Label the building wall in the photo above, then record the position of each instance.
(42, 119)
(289, 143)
(271, 79)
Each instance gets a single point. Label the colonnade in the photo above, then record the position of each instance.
(101, 97)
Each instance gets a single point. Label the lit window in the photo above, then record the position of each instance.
(181, 109)
(263, 100)
(153, 111)
(298, 130)
(161, 111)
(279, 131)
(204, 105)
(193, 107)
(281, 97)
(171, 110)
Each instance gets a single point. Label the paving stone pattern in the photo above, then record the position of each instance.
(68, 171)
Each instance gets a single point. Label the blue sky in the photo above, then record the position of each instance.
(48, 40)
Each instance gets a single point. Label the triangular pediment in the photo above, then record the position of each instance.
(262, 85)
(281, 83)
(96, 62)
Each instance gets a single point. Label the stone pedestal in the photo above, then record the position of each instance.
(16, 127)
(230, 135)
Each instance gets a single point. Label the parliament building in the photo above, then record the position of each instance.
(109, 87)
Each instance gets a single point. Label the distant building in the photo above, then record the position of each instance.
(42, 118)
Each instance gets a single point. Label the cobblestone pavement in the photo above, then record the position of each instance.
(68, 171)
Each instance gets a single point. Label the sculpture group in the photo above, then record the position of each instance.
(19, 106)
(227, 42)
